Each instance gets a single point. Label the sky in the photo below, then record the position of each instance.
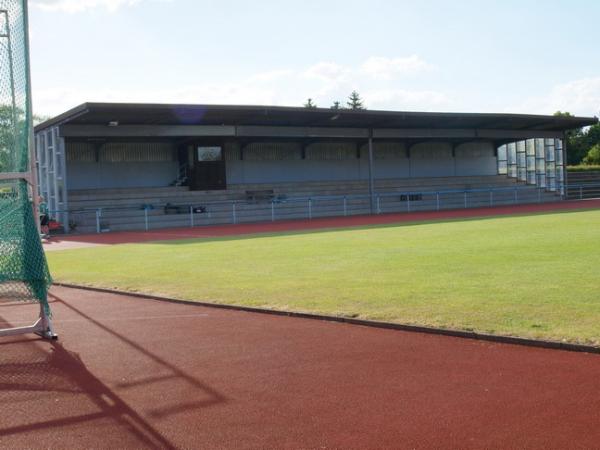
(517, 56)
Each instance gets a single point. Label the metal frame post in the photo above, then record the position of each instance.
(43, 326)
(565, 163)
(371, 180)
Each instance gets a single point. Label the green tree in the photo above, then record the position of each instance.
(13, 139)
(309, 104)
(336, 105)
(593, 156)
(355, 102)
(576, 142)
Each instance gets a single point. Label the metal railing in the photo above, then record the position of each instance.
(158, 215)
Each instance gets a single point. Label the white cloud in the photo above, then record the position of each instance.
(74, 6)
(325, 82)
(327, 71)
(580, 97)
(387, 68)
(405, 100)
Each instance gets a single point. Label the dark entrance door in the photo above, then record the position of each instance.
(208, 171)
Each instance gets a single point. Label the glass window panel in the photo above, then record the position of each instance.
(521, 160)
(531, 163)
(522, 174)
(559, 156)
(558, 143)
(502, 153)
(549, 141)
(539, 148)
(550, 153)
(541, 182)
(502, 167)
(520, 146)
(512, 153)
(540, 165)
(531, 177)
(530, 147)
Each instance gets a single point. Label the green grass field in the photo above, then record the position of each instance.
(532, 276)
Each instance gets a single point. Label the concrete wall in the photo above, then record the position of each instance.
(427, 160)
(120, 165)
(91, 175)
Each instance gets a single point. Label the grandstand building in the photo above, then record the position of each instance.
(134, 166)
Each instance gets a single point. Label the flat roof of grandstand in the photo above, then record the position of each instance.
(278, 116)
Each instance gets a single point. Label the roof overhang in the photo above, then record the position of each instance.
(165, 120)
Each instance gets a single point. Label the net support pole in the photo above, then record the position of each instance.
(43, 325)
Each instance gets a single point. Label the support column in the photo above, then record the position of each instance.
(565, 163)
(371, 180)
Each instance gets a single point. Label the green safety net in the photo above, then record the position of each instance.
(24, 272)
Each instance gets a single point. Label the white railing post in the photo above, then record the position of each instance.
(345, 206)
(516, 196)
(437, 201)
(408, 202)
(234, 213)
(98, 215)
(146, 218)
(580, 192)
(539, 195)
(191, 216)
(491, 197)
(310, 208)
(272, 211)
(465, 199)
(378, 205)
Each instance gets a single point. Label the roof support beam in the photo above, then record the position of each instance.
(158, 131)
(465, 133)
(148, 131)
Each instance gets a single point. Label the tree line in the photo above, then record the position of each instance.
(354, 102)
(583, 144)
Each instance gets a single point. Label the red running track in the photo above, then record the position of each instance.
(65, 242)
(136, 373)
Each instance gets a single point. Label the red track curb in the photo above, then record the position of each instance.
(540, 343)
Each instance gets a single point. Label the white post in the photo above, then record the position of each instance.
(98, 214)
(191, 216)
(272, 211)
(146, 218)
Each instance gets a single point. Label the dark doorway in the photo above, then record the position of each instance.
(208, 171)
